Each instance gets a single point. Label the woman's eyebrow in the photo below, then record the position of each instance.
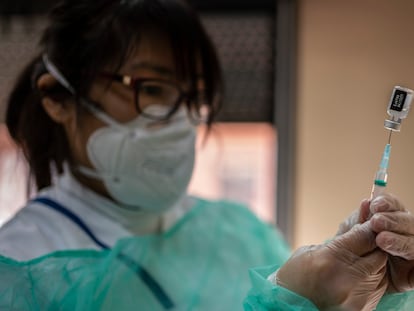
(163, 70)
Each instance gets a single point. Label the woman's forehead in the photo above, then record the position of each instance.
(155, 52)
(151, 52)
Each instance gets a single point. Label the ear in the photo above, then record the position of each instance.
(58, 111)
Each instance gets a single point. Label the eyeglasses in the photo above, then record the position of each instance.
(150, 92)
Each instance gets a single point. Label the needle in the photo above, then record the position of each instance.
(389, 138)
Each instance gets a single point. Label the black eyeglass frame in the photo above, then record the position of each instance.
(135, 82)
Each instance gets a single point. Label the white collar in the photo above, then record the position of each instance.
(135, 222)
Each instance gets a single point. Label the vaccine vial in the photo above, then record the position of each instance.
(398, 107)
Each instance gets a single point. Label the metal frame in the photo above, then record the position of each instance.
(285, 114)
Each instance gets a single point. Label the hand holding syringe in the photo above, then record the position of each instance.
(398, 108)
(388, 219)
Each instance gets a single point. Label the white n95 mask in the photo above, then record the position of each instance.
(143, 167)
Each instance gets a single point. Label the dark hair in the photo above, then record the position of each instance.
(82, 37)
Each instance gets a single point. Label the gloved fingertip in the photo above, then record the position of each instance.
(365, 202)
(378, 204)
(377, 223)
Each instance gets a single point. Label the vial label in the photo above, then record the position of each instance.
(398, 100)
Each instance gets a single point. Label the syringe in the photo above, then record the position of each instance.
(380, 181)
(397, 109)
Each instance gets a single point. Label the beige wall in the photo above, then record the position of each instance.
(350, 55)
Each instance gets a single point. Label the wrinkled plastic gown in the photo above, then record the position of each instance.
(201, 263)
(265, 296)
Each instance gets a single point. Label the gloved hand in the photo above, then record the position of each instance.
(359, 216)
(395, 228)
(348, 273)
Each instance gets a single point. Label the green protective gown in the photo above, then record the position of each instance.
(202, 263)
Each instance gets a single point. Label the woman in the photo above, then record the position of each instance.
(106, 117)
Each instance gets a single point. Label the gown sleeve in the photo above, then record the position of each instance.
(266, 296)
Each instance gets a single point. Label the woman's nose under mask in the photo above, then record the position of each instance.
(144, 164)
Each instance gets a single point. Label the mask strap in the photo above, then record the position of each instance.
(52, 69)
(105, 118)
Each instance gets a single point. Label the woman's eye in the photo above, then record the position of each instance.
(152, 90)
(158, 93)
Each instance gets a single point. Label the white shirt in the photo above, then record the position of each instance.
(37, 229)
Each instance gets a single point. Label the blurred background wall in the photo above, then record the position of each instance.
(350, 55)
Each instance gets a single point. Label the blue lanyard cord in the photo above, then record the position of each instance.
(143, 274)
(155, 288)
(72, 216)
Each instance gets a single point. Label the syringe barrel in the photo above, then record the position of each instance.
(380, 181)
(377, 190)
(381, 178)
